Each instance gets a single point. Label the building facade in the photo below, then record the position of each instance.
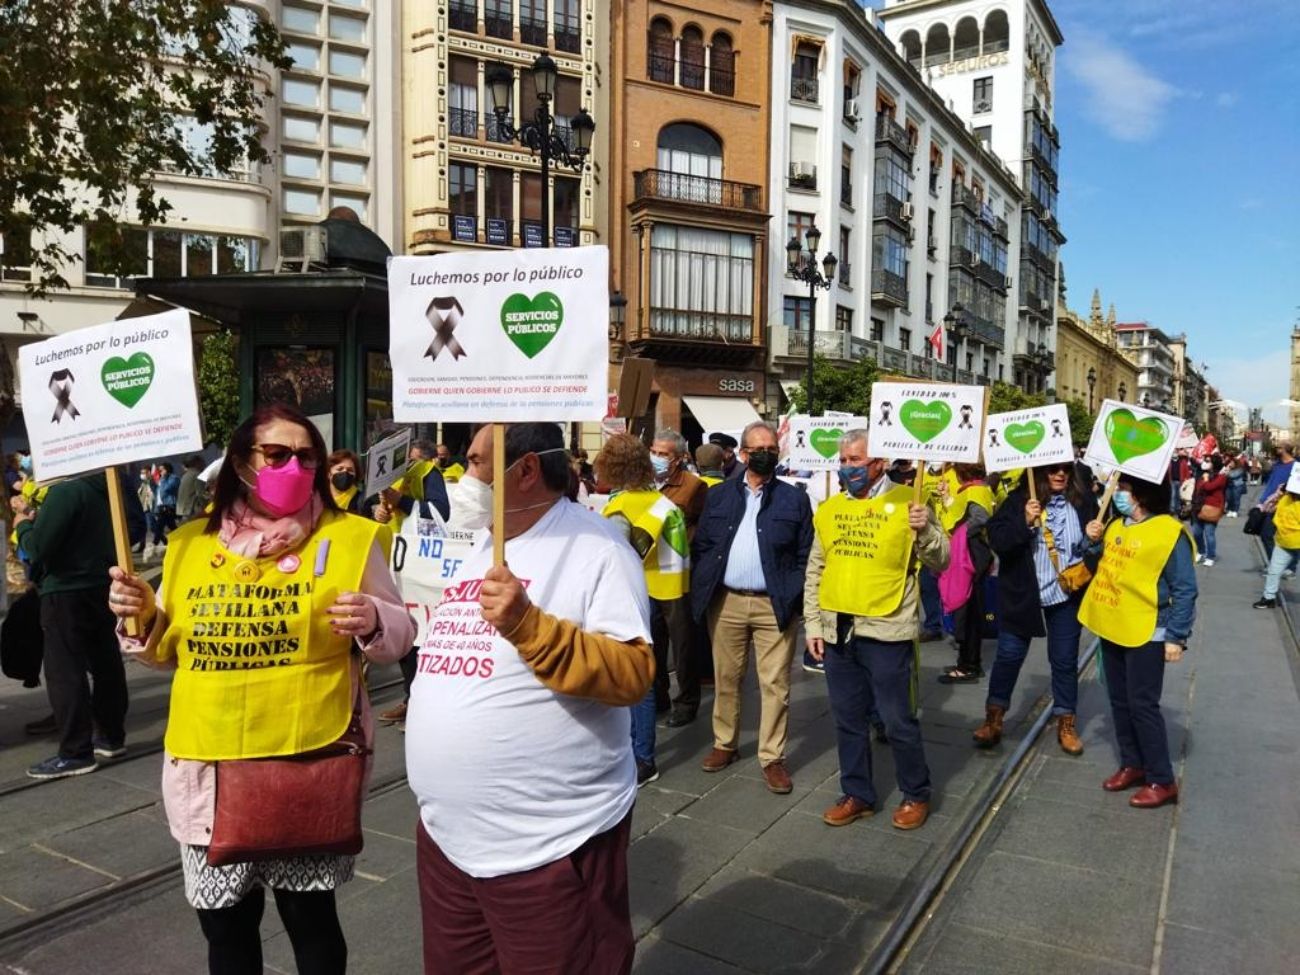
(1295, 378)
(1090, 366)
(1149, 348)
(993, 64)
(921, 216)
(688, 209)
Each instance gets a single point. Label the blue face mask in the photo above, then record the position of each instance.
(854, 480)
(25, 463)
(1123, 503)
(660, 464)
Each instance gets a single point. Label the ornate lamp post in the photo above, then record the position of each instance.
(955, 325)
(801, 265)
(541, 135)
(1092, 383)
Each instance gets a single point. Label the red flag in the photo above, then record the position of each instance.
(936, 340)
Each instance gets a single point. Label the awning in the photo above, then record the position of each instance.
(721, 413)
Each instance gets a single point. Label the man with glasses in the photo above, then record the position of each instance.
(749, 557)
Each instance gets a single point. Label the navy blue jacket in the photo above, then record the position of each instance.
(785, 536)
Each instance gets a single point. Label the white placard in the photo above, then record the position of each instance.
(1293, 482)
(926, 421)
(110, 394)
(814, 441)
(500, 336)
(1028, 438)
(386, 461)
(427, 557)
(1137, 441)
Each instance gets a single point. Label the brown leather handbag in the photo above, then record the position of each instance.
(294, 805)
(1073, 577)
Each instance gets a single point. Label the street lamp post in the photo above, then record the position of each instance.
(1092, 383)
(540, 135)
(802, 266)
(954, 324)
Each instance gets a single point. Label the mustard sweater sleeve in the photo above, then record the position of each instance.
(573, 661)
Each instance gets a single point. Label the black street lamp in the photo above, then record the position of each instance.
(802, 266)
(1092, 382)
(541, 135)
(955, 325)
(617, 315)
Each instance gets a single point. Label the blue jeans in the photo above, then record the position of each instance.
(1279, 562)
(1203, 532)
(1235, 490)
(1063, 631)
(643, 727)
(931, 607)
(868, 675)
(1135, 678)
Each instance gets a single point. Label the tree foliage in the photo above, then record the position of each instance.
(218, 381)
(1004, 397)
(1081, 421)
(95, 98)
(835, 388)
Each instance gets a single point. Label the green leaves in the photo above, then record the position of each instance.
(835, 388)
(218, 380)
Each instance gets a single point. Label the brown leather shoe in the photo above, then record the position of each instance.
(1125, 778)
(911, 814)
(1067, 737)
(393, 715)
(778, 779)
(990, 732)
(718, 759)
(1154, 796)
(848, 810)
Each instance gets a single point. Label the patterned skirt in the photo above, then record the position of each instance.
(209, 888)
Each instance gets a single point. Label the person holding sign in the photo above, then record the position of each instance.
(1142, 603)
(423, 482)
(861, 601)
(263, 608)
(963, 514)
(1286, 542)
(1039, 545)
(345, 487)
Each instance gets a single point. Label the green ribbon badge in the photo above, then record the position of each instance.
(127, 380)
(531, 323)
(925, 421)
(1130, 437)
(826, 441)
(1024, 436)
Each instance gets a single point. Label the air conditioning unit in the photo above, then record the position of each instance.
(802, 170)
(1007, 283)
(1045, 304)
(302, 248)
(908, 211)
(851, 111)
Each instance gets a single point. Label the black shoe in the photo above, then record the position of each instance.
(929, 636)
(1265, 604)
(955, 675)
(680, 717)
(45, 726)
(646, 772)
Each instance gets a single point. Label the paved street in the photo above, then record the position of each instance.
(728, 878)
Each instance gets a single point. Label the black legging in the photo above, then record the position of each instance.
(310, 919)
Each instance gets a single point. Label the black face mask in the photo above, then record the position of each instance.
(342, 480)
(762, 462)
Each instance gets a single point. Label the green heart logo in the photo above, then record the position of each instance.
(925, 421)
(826, 441)
(531, 323)
(127, 380)
(1130, 437)
(1024, 436)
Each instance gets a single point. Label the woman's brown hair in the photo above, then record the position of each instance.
(623, 464)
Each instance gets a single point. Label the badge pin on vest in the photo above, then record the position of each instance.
(247, 571)
(217, 560)
(289, 564)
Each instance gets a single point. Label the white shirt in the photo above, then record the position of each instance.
(510, 775)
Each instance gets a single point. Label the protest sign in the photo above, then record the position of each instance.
(1134, 440)
(926, 421)
(110, 394)
(386, 461)
(1028, 438)
(1293, 482)
(427, 555)
(500, 336)
(814, 441)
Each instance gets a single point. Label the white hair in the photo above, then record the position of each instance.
(756, 425)
(673, 437)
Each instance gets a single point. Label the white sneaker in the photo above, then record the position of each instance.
(147, 554)
(1288, 574)
(1209, 562)
(1200, 559)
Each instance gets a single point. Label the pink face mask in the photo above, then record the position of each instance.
(284, 490)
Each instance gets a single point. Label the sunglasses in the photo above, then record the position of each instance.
(1060, 469)
(277, 455)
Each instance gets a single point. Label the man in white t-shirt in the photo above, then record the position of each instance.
(518, 732)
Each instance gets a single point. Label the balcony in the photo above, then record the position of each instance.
(888, 288)
(1040, 257)
(462, 123)
(964, 196)
(991, 276)
(888, 207)
(497, 26)
(495, 132)
(1000, 229)
(568, 38)
(660, 184)
(804, 90)
(846, 274)
(889, 132)
(963, 257)
(803, 176)
(701, 326)
(836, 346)
(532, 31)
(463, 16)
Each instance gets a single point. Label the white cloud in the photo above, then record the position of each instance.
(1123, 97)
(1259, 380)
(1226, 99)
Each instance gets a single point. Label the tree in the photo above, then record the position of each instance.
(97, 97)
(1004, 397)
(1081, 421)
(836, 388)
(218, 381)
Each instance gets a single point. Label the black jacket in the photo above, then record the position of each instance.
(1019, 609)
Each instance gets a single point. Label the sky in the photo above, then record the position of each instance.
(1180, 176)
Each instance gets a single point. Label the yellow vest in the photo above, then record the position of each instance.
(259, 671)
(344, 498)
(951, 514)
(452, 473)
(1120, 604)
(868, 546)
(1286, 519)
(659, 536)
(710, 480)
(1007, 483)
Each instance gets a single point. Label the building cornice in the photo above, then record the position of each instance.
(914, 5)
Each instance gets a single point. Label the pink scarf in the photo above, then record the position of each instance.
(251, 535)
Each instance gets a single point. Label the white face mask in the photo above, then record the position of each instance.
(471, 503)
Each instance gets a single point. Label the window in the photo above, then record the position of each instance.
(701, 283)
(497, 15)
(690, 150)
(983, 96)
(298, 129)
(347, 65)
(798, 314)
(296, 92)
(566, 195)
(345, 28)
(892, 179)
(931, 241)
(306, 57)
(200, 253)
(846, 175)
(532, 22)
(462, 97)
(797, 224)
(568, 30)
(692, 59)
(16, 256)
(498, 194)
(347, 135)
(905, 339)
(166, 254)
(346, 99)
(889, 250)
(357, 204)
(347, 171)
(985, 134)
(803, 155)
(844, 245)
(302, 202)
(662, 56)
(300, 19)
(877, 330)
(852, 84)
(301, 165)
(843, 319)
(803, 75)
(463, 189)
(722, 65)
(530, 197)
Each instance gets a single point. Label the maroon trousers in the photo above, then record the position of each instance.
(566, 917)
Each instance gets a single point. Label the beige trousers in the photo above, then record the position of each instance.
(734, 621)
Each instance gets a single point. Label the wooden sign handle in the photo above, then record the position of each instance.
(1111, 484)
(918, 483)
(1033, 484)
(121, 539)
(498, 494)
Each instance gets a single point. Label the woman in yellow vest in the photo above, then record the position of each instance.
(1141, 602)
(264, 611)
(1286, 543)
(345, 480)
(969, 506)
(656, 528)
